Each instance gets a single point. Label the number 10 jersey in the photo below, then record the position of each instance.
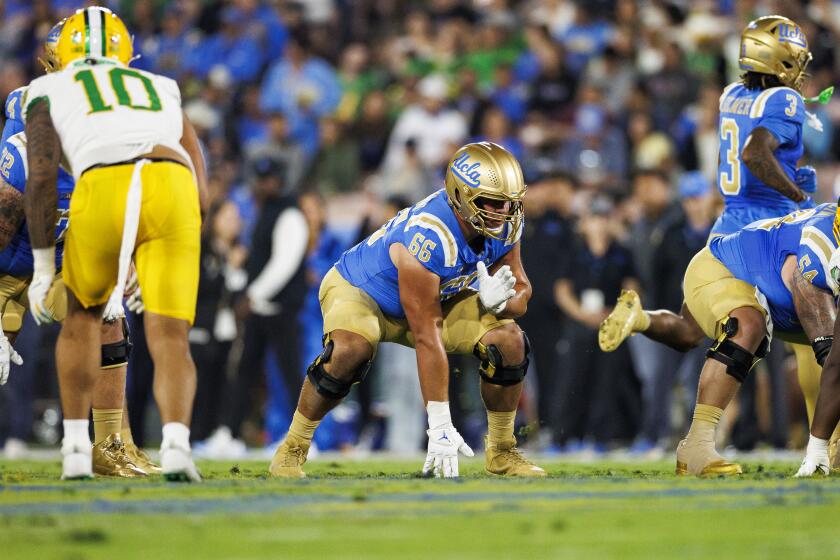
(105, 112)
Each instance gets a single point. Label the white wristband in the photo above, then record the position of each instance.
(438, 414)
(43, 261)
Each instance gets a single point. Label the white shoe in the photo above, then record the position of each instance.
(176, 464)
(221, 445)
(76, 463)
(14, 449)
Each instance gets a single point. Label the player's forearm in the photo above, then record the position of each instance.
(40, 200)
(814, 307)
(517, 306)
(432, 367)
(759, 158)
(827, 413)
(191, 144)
(11, 213)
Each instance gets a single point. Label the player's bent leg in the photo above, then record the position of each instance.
(174, 390)
(110, 453)
(680, 332)
(504, 354)
(345, 360)
(77, 360)
(741, 344)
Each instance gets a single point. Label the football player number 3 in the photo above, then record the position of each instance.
(421, 247)
(118, 78)
(730, 175)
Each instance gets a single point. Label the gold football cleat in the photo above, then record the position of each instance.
(833, 455)
(627, 317)
(713, 464)
(289, 458)
(504, 459)
(141, 458)
(110, 459)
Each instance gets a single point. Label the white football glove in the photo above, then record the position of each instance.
(816, 459)
(444, 443)
(39, 287)
(114, 308)
(7, 355)
(135, 302)
(495, 291)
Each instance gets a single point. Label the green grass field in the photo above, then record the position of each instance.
(381, 509)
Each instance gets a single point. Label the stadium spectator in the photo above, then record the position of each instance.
(302, 87)
(270, 303)
(598, 397)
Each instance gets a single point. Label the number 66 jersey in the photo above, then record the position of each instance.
(781, 111)
(126, 112)
(432, 234)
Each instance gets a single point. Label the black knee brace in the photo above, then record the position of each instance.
(492, 368)
(115, 354)
(327, 385)
(737, 359)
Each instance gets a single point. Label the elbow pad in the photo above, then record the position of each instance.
(822, 346)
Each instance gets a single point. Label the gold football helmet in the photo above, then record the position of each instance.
(775, 45)
(485, 186)
(93, 33)
(50, 62)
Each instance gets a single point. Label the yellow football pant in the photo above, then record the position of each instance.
(168, 237)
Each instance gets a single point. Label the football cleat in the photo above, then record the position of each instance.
(289, 458)
(176, 464)
(833, 458)
(627, 318)
(76, 463)
(141, 458)
(110, 459)
(697, 460)
(504, 459)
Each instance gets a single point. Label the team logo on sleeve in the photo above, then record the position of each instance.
(467, 171)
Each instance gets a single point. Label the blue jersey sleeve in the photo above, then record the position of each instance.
(12, 166)
(782, 112)
(815, 248)
(431, 242)
(12, 112)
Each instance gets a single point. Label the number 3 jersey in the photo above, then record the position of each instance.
(757, 253)
(431, 232)
(780, 110)
(105, 112)
(16, 258)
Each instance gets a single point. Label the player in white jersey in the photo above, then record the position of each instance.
(139, 171)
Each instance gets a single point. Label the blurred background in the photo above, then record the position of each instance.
(349, 111)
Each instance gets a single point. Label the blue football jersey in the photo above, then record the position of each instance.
(13, 111)
(431, 232)
(757, 253)
(781, 110)
(16, 259)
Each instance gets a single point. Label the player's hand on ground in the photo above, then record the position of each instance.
(444, 445)
(495, 291)
(813, 466)
(806, 179)
(7, 357)
(816, 459)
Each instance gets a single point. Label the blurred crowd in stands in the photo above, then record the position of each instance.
(322, 118)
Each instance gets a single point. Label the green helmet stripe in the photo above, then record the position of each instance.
(87, 33)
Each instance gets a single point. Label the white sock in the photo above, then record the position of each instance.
(175, 434)
(76, 437)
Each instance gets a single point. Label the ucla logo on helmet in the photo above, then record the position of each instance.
(791, 34)
(466, 171)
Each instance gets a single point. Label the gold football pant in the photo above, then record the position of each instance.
(168, 237)
(348, 308)
(14, 301)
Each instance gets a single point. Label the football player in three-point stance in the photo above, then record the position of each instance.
(139, 173)
(114, 451)
(443, 276)
(761, 120)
